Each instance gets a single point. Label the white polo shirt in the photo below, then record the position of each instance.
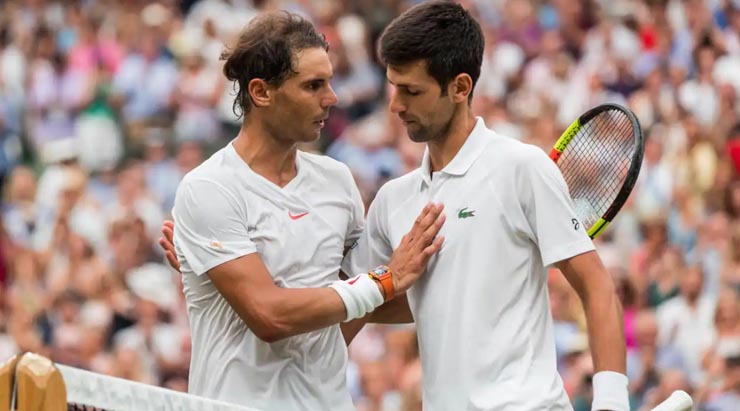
(481, 309)
(224, 210)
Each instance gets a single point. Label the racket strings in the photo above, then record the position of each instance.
(596, 179)
(605, 152)
(596, 163)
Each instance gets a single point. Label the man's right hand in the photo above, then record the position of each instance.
(410, 258)
(168, 244)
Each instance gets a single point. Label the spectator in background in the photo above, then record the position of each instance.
(195, 97)
(374, 383)
(727, 396)
(712, 245)
(12, 92)
(19, 209)
(152, 336)
(663, 277)
(55, 93)
(685, 321)
(654, 242)
(647, 361)
(98, 134)
(162, 172)
(670, 381)
(143, 85)
(356, 83)
(727, 322)
(654, 186)
(683, 220)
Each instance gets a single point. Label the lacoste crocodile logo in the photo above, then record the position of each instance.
(464, 213)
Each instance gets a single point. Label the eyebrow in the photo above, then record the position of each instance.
(317, 78)
(403, 85)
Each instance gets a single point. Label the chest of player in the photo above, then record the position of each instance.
(475, 213)
(485, 247)
(301, 242)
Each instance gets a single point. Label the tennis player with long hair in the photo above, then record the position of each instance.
(261, 230)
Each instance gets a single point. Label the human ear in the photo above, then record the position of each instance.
(460, 88)
(260, 92)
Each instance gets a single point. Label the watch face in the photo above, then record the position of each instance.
(380, 271)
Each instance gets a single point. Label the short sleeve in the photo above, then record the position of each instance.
(210, 226)
(373, 247)
(548, 208)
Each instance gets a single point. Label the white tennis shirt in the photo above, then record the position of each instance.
(224, 210)
(481, 309)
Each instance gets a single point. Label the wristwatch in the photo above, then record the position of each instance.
(383, 275)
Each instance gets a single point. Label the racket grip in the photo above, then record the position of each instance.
(678, 401)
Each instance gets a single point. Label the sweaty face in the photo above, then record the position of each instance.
(417, 99)
(301, 103)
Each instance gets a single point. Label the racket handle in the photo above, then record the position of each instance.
(678, 401)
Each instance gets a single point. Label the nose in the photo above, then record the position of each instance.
(394, 103)
(331, 99)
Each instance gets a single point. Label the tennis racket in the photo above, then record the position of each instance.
(600, 155)
(678, 401)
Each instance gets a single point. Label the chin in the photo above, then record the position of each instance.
(418, 137)
(309, 138)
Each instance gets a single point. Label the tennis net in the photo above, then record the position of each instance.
(43, 385)
(90, 391)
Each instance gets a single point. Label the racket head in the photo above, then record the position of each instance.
(600, 155)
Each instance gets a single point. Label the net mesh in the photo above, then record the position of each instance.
(596, 163)
(87, 391)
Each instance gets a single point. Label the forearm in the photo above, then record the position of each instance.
(395, 311)
(283, 312)
(597, 291)
(606, 333)
(299, 310)
(350, 329)
(289, 312)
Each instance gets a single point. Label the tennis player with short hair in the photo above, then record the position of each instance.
(482, 312)
(261, 229)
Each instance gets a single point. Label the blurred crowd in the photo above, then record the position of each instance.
(105, 105)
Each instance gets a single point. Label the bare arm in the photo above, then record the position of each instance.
(594, 285)
(395, 311)
(271, 312)
(274, 313)
(349, 329)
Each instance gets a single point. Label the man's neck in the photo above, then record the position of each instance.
(270, 157)
(445, 148)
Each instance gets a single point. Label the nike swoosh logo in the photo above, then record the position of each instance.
(297, 216)
(354, 280)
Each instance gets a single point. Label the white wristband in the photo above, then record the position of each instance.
(360, 295)
(610, 392)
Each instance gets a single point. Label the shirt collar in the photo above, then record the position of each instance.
(465, 157)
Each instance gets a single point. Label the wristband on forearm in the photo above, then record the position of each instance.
(610, 392)
(360, 295)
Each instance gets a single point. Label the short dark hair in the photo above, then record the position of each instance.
(265, 49)
(443, 34)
